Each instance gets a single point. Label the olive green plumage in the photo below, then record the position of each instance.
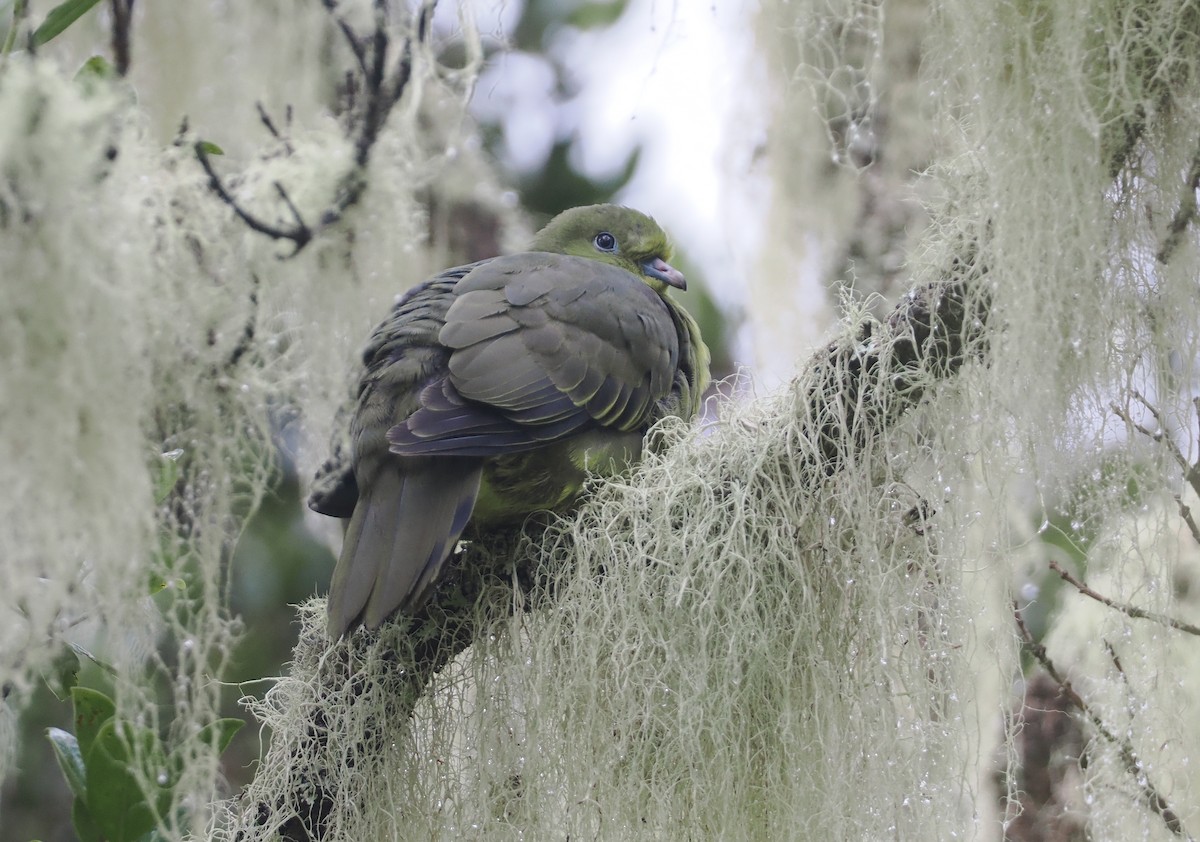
(493, 389)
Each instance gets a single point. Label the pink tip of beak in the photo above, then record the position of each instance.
(665, 272)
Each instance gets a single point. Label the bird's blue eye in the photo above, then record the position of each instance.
(606, 241)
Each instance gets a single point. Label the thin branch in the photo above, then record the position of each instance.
(246, 340)
(1116, 661)
(378, 103)
(1185, 214)
(381, 93)
(1129, 610)
(267, 121)
(122, 23)
(424, 19)
(1129, 757)
(1185, 512)
(1191, 472)
(287, 200)
(352, 39)
(300, 235)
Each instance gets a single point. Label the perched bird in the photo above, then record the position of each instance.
(493, 389)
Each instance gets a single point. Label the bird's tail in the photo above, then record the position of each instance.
(403, 528)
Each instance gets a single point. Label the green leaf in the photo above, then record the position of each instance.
(60, 17)
(209, 148)
(93, 710)
(96, 67)
(220, 732)
(85, 823)
(591, 15)
(168, 472)
(95, 70)
(115, 796)
(66, 751)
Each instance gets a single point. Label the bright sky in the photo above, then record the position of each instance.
(681, 78)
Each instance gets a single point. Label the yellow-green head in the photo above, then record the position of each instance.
(613, 234)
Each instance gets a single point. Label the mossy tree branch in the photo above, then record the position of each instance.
(867, 383)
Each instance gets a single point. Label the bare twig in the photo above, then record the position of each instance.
(1185, 214)
(1116, 661)
(122, 23)
(300, 235)
(287, 200)
(1129, 610)
(352, 39)
(1191, 472)
(1129, 757)
(267, 121)
(246, 340)
(424, 19)
(382, 90)
(1185, 512)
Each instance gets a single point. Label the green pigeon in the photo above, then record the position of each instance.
(492, 390)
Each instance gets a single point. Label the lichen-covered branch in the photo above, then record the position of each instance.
(1128, 610)
(383, 83)
(1135, 767)
(860, 387)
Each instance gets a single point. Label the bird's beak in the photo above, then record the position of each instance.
(665, 272)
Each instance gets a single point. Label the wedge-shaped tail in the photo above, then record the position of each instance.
(403, 528)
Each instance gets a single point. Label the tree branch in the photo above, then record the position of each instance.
(1129, 758)
(299, 235)
(1191, 472)
(122, 23)
(383, 89)
(1185, 214)
(1129, 610)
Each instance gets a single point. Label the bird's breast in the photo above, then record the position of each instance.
(550, 477)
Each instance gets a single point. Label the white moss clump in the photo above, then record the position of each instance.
(76, 381)
(141, 317)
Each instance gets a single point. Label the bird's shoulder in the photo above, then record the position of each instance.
(558, 304)
(400, 354)
(415, 318)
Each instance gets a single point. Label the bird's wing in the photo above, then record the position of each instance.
(399, 356)
(404, 516)
(543, 345)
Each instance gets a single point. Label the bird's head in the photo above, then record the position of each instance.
(612, 234)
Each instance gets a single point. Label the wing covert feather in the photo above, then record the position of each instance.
(542, 345)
